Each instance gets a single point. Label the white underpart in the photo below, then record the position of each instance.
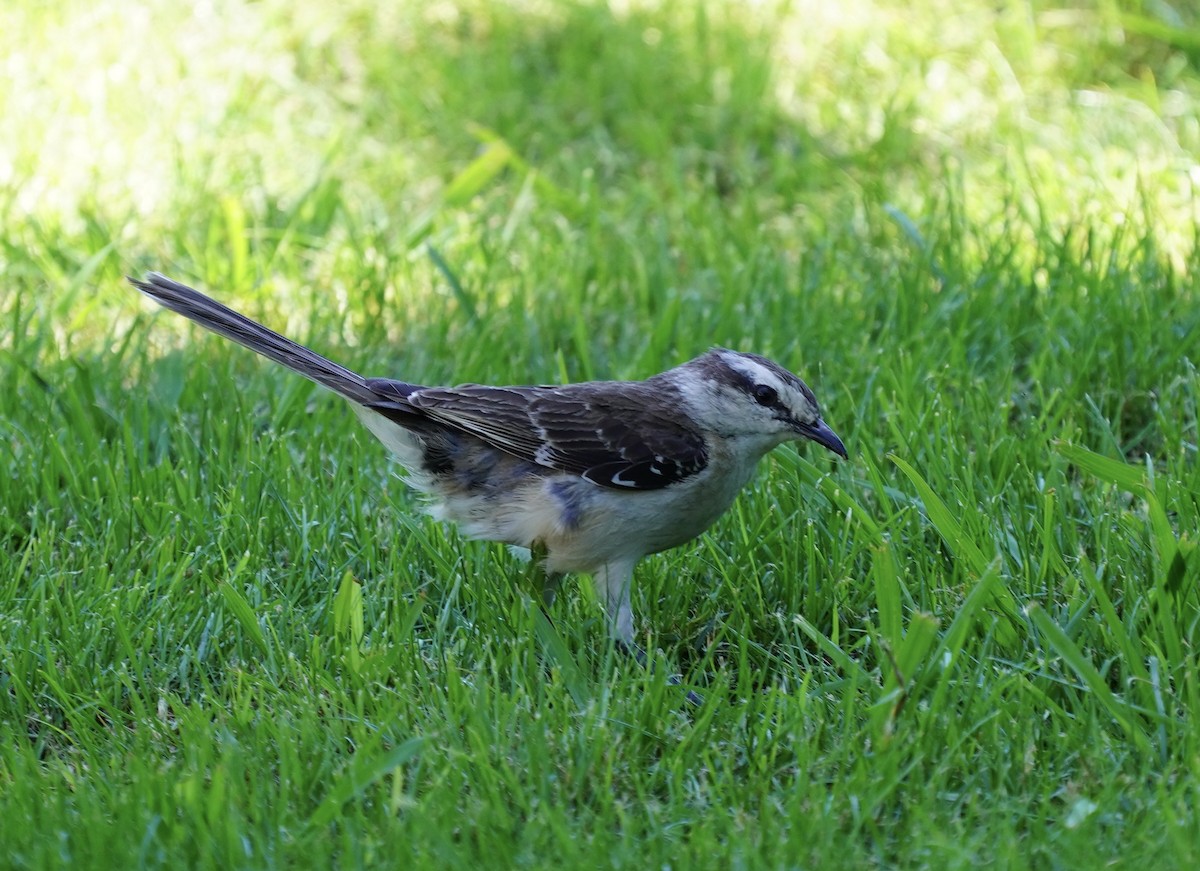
(613, 528)
(405, 446)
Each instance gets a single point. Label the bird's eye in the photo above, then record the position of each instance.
(765, 395)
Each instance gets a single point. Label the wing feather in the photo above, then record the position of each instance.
(624, 435)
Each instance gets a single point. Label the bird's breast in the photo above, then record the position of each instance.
(585, 526)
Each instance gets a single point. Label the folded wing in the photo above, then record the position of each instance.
(622, 435)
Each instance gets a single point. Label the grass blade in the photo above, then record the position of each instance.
(364, 770)
(494, 158)
(348, 623)
(1124, 475)
(1083, 668)
(887, 594)
(943, 520)
(456, 287)
(960, 543)
(555, 650)
(241, 609)
(841, 659)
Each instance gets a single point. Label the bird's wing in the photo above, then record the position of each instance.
(624, 435)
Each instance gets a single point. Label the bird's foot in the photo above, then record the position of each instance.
(639, 655)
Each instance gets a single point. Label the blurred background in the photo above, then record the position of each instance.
(161, 127)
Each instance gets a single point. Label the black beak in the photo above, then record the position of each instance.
(823, 435)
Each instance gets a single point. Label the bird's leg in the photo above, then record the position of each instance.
(551, 581)
(693, 698)
(633, 651)
(544, 582)
(612, 583)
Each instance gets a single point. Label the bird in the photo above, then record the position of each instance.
(590, 477)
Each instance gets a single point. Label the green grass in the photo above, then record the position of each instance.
(229, 639)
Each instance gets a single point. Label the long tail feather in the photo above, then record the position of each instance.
(226, 322)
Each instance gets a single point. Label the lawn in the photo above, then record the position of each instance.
(230, 639)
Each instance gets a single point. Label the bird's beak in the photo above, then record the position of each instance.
(824, 436)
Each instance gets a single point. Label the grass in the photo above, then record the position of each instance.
(229, 639)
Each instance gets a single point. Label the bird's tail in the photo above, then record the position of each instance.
(224, 321)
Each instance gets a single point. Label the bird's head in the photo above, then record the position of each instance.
(748, 398)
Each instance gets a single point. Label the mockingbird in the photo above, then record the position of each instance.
(591, 477)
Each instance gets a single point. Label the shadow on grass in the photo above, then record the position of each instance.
(579, 85)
